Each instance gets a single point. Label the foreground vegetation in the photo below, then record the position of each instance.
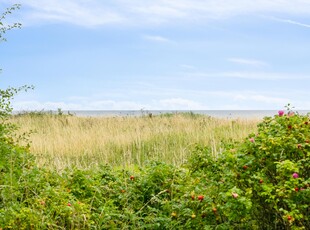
(261, 182)
(60, 141)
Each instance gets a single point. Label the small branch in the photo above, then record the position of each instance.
(151, 200)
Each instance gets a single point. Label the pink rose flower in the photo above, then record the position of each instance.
(281, 113)
(295, 175)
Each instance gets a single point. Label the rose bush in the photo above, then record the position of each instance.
(269, 171)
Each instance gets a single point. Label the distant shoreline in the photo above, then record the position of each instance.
(123, 113)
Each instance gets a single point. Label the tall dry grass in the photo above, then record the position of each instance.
(66, 141)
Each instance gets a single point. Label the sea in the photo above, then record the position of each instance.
(230, 114)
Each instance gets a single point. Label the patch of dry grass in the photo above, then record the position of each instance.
(61, 141)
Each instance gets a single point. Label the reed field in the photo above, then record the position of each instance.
(59, 141)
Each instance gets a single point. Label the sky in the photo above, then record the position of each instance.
(158, 54)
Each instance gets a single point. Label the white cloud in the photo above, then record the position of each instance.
(146, 12)
(180, 104)
(164, 104)
(115, 105)
(88, 14)
(156, 38)
(249, 75)
(290, 22)
(255, 97)
(249, 62)
(195, 100)
(37, 106)
(83, 105)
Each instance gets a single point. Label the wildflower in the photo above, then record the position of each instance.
(235, 195)
(281, 113)
(252, 139)
(295, 175)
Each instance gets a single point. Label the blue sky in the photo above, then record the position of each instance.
(158, 54)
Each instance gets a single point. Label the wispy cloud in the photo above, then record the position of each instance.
(156, 38)
(180, 103)
(172, 97)
(24, 105)
(218, 99)
(86, 105)
(255, 97)
(290, 22)
(249, 75)
(163, 104)
(249, 62)
(137, 12)
(87, 14)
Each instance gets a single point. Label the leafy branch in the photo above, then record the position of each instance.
(4, 28)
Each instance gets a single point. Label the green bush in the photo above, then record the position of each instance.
(273, 166)
(263, 182)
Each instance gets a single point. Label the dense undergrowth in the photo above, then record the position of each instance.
(260, 183)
